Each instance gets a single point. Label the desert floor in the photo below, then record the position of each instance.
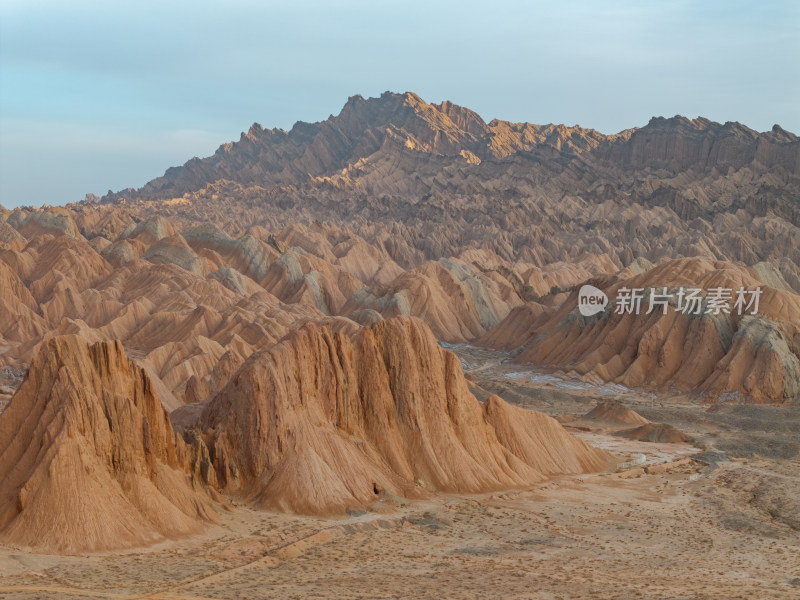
(725, 524)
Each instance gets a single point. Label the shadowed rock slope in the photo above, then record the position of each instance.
(655, 432)
(612, 412)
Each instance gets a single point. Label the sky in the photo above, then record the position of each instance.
(108, 95)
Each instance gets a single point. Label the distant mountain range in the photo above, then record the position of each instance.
(540, 193)
(400, 148)
(485, 231)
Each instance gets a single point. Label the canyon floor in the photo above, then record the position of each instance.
(724, 524)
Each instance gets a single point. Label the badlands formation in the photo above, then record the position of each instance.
(485, 231)
(319, 424)
(276, 337)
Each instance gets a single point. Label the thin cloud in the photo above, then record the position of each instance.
(126, 76)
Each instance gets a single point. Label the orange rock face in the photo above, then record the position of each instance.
(88, 456)
(726, 357)
(323, 422)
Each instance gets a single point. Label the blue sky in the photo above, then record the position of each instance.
(107, 95)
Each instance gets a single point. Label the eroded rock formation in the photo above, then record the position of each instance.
(324, 421)
(89, 458)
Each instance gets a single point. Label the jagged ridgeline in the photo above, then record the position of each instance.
(541, 193)
(399, 207)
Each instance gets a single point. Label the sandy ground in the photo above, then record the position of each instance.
(726, 525)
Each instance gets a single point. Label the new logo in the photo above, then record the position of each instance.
(591, 300)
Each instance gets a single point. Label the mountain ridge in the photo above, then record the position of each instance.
(445, 129)
(478, 229)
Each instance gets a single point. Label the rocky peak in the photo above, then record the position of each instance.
(88, 455)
